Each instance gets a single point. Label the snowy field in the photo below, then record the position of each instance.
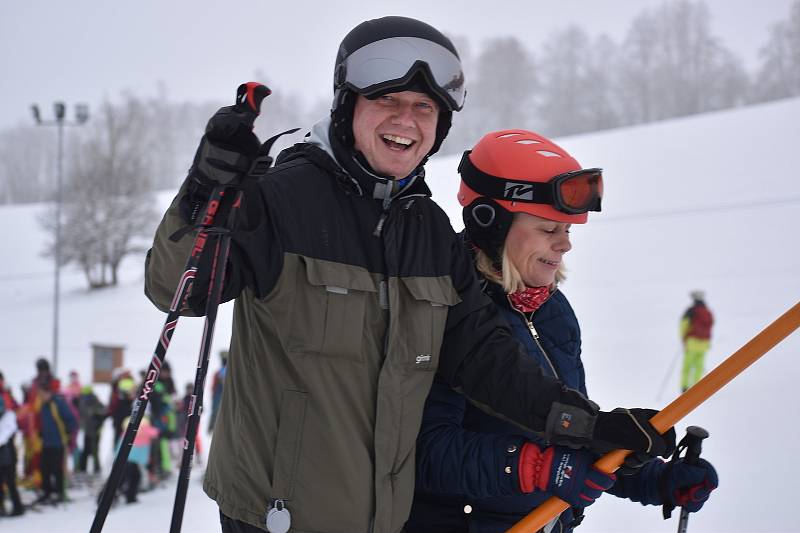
(709, 202)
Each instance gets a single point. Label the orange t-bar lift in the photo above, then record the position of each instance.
(680, 407)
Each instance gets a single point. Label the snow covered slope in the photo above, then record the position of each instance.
(709, 202)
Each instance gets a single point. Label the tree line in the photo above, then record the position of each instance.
(669, 64)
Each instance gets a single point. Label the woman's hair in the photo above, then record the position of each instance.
(510, 278)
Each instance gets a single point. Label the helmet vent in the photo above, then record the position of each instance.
(547, 153)
(528, 141)
(507, 135)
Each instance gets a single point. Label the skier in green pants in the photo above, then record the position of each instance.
(695, 329)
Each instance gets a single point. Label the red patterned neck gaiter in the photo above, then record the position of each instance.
(530, 299)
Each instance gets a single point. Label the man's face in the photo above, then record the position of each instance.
(395, 131)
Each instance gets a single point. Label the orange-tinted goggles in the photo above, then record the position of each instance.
(578, 191)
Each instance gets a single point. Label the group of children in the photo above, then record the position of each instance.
(55, 425)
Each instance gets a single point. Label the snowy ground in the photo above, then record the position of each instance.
(709, 202)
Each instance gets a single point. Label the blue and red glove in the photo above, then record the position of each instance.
(688, 485)
(563, 472)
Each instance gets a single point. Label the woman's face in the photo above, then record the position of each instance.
(536, 246)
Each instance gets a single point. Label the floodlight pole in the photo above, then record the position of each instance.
(82, 115)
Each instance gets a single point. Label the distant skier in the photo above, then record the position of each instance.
(92, 415)
(695, 330)
(123, 390)
(56, 422)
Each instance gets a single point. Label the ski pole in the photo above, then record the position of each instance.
(687, 402)
(248, 99)
(248, 102)
(694, 446)
(182, 292)
(196, 402)
(669, 373)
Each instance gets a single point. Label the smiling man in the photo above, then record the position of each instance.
(352, 291)
(396, 131)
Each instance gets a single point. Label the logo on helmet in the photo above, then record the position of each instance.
(518, 191)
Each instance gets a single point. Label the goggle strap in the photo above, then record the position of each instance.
(503, 189)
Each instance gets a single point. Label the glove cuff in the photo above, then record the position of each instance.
(220, 164)
(534, 467)
(570, 424)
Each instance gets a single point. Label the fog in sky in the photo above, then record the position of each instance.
(83, 50)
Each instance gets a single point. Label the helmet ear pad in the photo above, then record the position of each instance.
(344, 106)
(487, 224)
(442, 129)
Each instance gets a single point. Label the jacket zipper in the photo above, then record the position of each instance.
(386, 305)
(556, 521)
(535, 336)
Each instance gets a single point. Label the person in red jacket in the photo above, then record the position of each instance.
(696, 326)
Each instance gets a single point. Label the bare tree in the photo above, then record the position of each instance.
(637, 86)
(779, 75)
(672, 65)
(107, 204)
(601, 99)
(500, 93)
(577, 81)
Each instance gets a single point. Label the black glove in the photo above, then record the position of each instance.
(632, 464)
(228, 150)
(229, 144)
(579, 424)
(630, 429)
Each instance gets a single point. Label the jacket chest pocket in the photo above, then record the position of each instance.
(328, 309)
(429, 300)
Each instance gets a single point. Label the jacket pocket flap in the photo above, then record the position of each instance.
(338, 277)
(438, 291)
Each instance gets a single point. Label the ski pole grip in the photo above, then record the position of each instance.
(694, 444)
(251, 94)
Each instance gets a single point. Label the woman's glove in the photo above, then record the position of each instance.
(563, 472)
(686, 485)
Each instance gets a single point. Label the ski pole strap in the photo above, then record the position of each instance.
(663, 479)
(220, 223)
(692, 443)
(577, 518)
(213, 230)
(263, 161)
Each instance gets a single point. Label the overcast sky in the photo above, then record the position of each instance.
(82, 50)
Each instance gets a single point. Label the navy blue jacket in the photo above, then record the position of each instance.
(50, 431)
(467, 477)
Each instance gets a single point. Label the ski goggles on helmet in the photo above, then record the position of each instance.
(574, 192)
(392, 62)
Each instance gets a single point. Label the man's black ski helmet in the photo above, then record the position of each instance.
(393, 54)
